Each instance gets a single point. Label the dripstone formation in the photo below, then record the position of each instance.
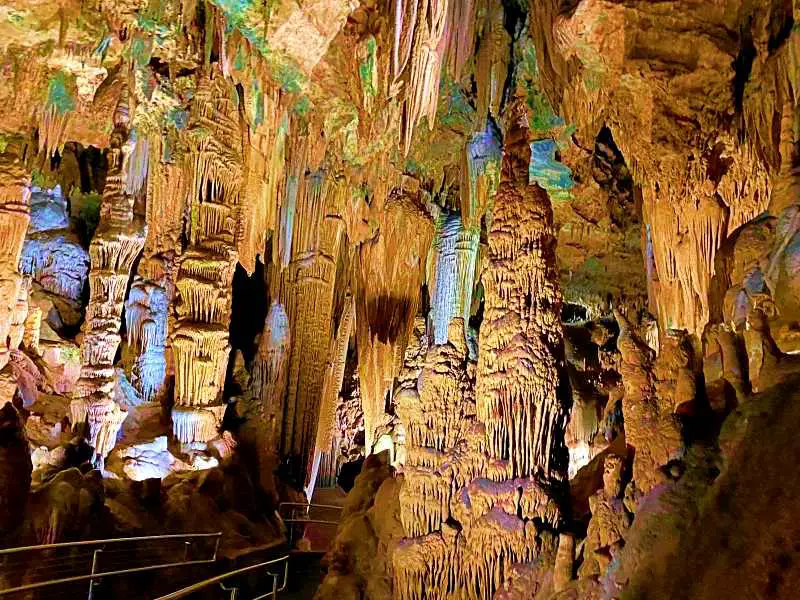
(521, 277)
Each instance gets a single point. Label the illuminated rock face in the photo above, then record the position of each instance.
(373, 162)
(205, 270)
(456, 251)
(518, 393)
(483, 451)
(116, 244)
(387, 298)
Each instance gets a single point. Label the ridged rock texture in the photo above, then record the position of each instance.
(520, 392)
(535, 264)
(114, 248)
(205, 269)
(390, 271)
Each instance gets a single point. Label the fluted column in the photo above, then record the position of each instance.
(205, 272)
(117, 242)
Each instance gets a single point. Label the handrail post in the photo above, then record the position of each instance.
(186, 545)
(216, 548)
(94, 570)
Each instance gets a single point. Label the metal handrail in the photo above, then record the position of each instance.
(91, 577)
(170, 536)
(315, 521)
(291, 521)
(308, 505)
(183, 592)
(307, 509)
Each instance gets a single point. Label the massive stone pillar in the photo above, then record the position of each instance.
(117, 242)
(305, 289)
(520, 395)
(205, 270)
(485, 453)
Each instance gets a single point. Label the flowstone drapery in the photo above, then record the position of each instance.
(390, 271)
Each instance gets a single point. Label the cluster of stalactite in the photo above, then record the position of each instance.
(305, 288)
(114, 248)
(327, 424)
(390, 271)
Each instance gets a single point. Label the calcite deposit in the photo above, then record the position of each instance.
(532, 266)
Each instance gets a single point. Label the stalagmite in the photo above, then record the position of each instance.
(651, 426)
(387, 296)
(519, 397)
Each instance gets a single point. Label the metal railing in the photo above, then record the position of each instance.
(234, 590)
(97, 550)
(300, 513)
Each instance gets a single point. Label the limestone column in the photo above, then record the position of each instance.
(485, 445)
(205, 271)
(456, 257)
(307, 293)
(117, 242)
(520, 398)
(14, 217)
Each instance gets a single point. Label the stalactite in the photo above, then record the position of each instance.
(456, 251)
(307, 291)
(461, 32)
(480, 176)
(52, 127)
(492, 62)
(521, 344)
(166, 200)
(263, 174)
(387, 298)
(334, 377)
(420, 43)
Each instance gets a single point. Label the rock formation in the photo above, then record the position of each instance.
(114, 248)
(492, 251)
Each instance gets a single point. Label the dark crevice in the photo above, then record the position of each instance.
(743, 64)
